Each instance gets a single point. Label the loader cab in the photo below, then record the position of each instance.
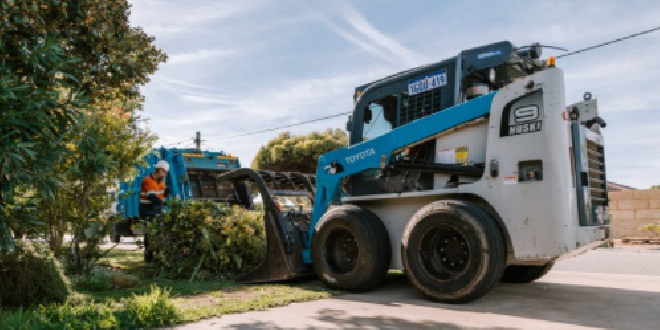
(397, 100)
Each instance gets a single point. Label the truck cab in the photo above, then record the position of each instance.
(192, 176)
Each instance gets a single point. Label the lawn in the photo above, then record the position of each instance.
(125, 293)
(202, 299)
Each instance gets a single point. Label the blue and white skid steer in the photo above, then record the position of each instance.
(461, 173)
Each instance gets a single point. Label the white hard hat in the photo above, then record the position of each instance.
(163, 164)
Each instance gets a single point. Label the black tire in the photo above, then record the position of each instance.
(524, 274)
(453, 252)
(351, 249)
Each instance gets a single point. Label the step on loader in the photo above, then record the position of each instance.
(461, 173)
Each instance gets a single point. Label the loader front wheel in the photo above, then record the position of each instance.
(453, 251)
(351, 249)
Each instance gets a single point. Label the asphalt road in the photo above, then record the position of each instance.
(601, 289)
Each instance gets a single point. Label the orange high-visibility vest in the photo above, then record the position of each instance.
(151, 186)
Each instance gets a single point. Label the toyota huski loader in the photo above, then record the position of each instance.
(461, 173)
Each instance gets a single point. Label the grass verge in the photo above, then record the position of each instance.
(152, 302)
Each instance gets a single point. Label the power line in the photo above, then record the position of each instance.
(176, 144)
(609, 42)
(281, 127)
(188, 145)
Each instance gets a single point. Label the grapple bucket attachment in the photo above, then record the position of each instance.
(205, 185)
(284, 230)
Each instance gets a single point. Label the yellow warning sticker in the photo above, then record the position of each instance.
(462, 155)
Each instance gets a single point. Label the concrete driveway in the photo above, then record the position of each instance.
(602, 289)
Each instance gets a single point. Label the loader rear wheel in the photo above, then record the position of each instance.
(452, 251)
(525, 274)
(351, 249)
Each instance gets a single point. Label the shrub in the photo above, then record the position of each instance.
(70, 316)
(31, 275)
(93, 283)
(145, 311)
(120, 280)
(202, 239)
(150, 310)
(61, 316)
(654, 228)
(103, 280)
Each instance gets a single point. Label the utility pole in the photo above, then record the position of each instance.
(198, 141)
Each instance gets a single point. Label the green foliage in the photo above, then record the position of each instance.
(158, 308)
(60, 62)
(106, 146)
(203, 240)
(289, 153)
(31, 275)
(20, 217)
(94, 282)
(101, 279)
(150, 310)
(654, 228)
(74, 316)
(146, 306)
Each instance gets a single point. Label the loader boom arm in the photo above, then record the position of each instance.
(338, 164)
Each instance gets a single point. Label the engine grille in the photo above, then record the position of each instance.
(597, 181)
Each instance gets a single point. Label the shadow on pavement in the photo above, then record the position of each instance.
(342, 321)
(589, 306)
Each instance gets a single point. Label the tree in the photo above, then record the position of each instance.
(289, 153)
(106, 146)
(60, 61)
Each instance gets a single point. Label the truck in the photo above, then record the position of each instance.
(461, 174)
(192, 176)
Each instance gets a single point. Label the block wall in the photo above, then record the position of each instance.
(630, 209)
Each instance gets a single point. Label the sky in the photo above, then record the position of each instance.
(237, 67)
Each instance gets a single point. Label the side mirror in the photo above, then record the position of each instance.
(349, 123)
(366, 118)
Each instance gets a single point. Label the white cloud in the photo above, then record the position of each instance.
(360, 23)
(200, 55)
(212, 99)
(177, 84)
(163, 17)
(370, 39)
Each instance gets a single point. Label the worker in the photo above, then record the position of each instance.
(152, 198)
(277, 203)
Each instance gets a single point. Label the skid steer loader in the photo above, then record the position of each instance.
(461, 173)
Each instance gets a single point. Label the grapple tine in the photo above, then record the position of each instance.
(276, 265)
(283, 258)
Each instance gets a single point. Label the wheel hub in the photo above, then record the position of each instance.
(445, 252)
(453, 252)
(343, 251)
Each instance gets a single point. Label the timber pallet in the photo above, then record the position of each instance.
(641, 240)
